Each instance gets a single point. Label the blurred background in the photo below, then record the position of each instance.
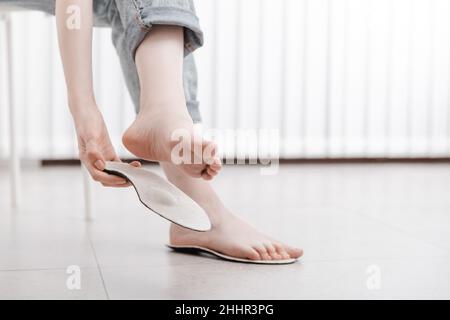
(338, 78)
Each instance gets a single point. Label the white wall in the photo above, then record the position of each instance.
(339, 78)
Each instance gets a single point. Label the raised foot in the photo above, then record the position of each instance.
(171, 138)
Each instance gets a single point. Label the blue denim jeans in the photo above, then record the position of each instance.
(130, 21)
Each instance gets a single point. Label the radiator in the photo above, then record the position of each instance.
(333, 78)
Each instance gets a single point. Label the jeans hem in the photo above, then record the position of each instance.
(146, 17)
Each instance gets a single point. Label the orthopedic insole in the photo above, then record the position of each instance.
(197, 249)
(162, 197)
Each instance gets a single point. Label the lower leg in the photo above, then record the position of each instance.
(163, 112)
(230, 234)
(159, 61)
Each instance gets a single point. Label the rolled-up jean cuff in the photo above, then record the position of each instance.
(194, 111)
(149, 16)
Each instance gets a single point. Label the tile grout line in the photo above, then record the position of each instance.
(98, 266)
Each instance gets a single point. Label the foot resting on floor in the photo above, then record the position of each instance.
(232, 236)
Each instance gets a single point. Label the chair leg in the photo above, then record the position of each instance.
(87, 193)
(14, 146)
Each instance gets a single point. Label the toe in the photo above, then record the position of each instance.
(217, 164)
(209, 152)
(243, 252)
(272, 251)
(211, 172)
(206, 176)
(263, 253)
(252, 254)
(281, 251)
(293, 252)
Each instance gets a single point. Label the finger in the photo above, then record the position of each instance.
(116, 185)
(136, 164)
(103, 177)
(100, 165)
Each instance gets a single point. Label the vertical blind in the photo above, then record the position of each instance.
(336, 78)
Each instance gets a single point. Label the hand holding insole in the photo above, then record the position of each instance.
(162, 197)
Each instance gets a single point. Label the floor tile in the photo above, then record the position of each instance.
(36, 242)
(50, 284)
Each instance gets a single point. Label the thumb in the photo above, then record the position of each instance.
(100, 165)
(95, 157)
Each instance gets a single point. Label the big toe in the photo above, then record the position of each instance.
(252, 254)
(244, 252)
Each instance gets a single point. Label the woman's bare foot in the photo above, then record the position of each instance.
(230, 235)
(170, 137)
(234, 237)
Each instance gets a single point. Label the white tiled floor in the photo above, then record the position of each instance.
(346, 217)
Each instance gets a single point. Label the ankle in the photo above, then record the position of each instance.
(168, 114)
(172, 106)
(217, 214)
